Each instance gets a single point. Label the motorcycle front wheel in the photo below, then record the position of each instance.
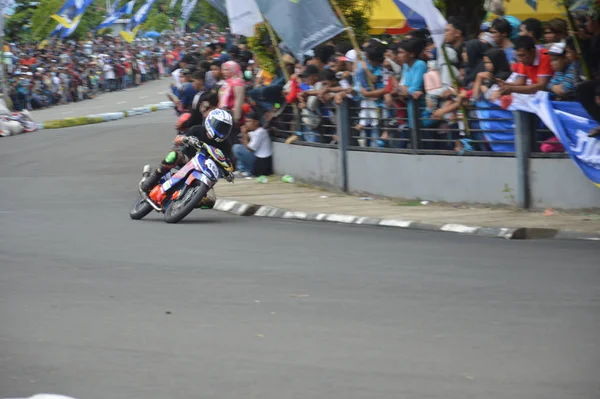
(140, 209)
(182, 207)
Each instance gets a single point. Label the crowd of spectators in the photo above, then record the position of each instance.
(58, 72)
(390, 85)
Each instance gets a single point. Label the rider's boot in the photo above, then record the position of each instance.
(152, 180)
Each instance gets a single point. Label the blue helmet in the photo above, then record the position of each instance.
(218, 125)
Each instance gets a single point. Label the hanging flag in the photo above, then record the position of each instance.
(71, 12)
(533, 4)
(173, 2)
(218, 5)
(187, 9)
(113, 7)
(136, 21)
(424, 11)
(243, 16)
(125, 10)
(301, 24)
(66, 32)
(57, 30)
(571, 124)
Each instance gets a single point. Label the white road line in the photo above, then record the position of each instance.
(121, 102)
(142, 97)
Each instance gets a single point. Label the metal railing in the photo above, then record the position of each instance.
(398, 130)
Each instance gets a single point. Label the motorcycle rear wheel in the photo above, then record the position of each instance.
(182, 207)
(140, 209)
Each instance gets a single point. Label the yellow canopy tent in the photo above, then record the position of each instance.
(546, 10)
(387, 18)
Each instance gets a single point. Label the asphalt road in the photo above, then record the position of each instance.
(152, 92)
(97, 306)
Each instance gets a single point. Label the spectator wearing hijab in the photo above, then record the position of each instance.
(496, 67)
(232, 94)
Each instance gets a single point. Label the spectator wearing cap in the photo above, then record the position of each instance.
(534, 69)
(562, 84)
(255, 154)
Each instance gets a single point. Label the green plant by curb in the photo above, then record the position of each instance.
(154, 108)
(70, 122)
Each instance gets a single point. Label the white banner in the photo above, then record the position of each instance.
(243, 16)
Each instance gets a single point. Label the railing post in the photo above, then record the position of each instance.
(523, 141)
(415, 122)
(343, 133)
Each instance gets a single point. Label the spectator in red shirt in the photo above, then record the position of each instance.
(534, 69)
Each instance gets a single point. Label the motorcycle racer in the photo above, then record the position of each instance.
(214, 131)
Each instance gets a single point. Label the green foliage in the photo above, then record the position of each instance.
(357, 13)
(157, 22)
(266, 59)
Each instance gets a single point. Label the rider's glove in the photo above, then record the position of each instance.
(230, 177)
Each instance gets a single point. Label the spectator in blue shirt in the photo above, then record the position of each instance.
(562, 84)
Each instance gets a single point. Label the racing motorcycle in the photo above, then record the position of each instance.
(182, 190)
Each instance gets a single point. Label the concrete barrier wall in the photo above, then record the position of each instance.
(312, 164)
(560, 183)
(555, 182)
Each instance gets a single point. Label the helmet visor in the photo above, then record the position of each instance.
(221, 129)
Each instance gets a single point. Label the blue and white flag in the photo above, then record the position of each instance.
(113, 7)
(136, 21)
(66, 32)
(421, 13)
(187, 9)
(71, 12)
(572, 124)
(56, 32)
(111, 19)
(498, 126)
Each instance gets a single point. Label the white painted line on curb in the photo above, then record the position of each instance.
(459, 228)
(395, 223)
(335, 217)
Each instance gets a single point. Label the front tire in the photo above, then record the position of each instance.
(140, 209)
(182, 207)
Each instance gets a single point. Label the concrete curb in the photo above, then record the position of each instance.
(104, 117)
(521, 233)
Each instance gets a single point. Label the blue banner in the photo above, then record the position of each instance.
(571, 124)
(498, 125)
